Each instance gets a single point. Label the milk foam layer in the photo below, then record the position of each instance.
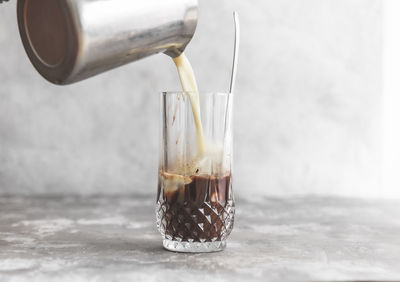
(210, 162)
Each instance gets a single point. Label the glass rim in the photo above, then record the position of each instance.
(201, 93)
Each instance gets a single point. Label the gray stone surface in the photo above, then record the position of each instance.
(72, 238)
(307, 110)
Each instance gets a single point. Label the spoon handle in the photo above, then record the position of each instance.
(235, 51)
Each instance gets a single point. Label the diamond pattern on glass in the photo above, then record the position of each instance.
(212, 221)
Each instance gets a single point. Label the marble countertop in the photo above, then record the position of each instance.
(114, 238)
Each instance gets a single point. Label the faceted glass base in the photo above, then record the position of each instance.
(194, 247)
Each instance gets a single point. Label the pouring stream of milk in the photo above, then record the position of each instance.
(189, 85)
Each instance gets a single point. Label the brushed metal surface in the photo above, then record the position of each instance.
(70, 40)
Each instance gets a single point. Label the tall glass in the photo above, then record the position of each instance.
(195, 205)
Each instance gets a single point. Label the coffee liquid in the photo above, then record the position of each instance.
(196, 212)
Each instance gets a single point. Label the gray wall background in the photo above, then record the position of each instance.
(307, 108)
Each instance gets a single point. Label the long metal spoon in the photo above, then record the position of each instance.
(235, 51)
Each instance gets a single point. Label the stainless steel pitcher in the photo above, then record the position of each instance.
(70, 40)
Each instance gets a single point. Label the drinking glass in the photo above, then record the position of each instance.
(195, 205)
